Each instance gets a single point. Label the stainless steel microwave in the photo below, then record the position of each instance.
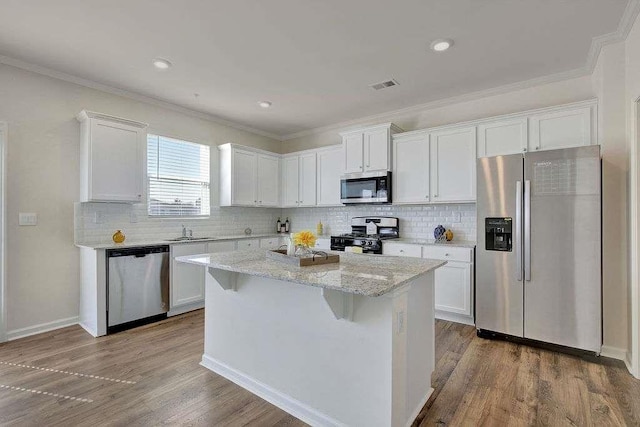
(373, 187)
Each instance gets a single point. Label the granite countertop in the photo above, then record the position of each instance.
(156, 242)
(360, 274)
(454, 243)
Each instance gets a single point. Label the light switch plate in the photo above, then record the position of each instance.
(27, 218)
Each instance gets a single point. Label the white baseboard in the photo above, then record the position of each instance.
(283, 401)
(614, 352)
(43, 327)
(418, 408)
(454, 317)
(186, 308)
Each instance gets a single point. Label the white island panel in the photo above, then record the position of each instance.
(280, 339)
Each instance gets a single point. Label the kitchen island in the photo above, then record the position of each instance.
(336, 344)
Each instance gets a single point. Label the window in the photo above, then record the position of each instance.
(178, 177)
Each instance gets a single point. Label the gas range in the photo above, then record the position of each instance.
(368, 234)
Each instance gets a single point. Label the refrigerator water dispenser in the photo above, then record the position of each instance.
(498, 234)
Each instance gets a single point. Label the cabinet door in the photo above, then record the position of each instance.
(329, 171)
(560, 129)
(502, 137)
(454, 288)
(453, 165)
(187, 281)
(307, 186)
(376, 150)
(117, 162)
(244, 178)
(268, 180)
(353, 146)
(411, 170)
(290, 182)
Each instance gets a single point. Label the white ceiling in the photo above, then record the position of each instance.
(313, 59)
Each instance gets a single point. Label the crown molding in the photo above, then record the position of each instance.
(472, 96)
(624, 27)
(17, 63)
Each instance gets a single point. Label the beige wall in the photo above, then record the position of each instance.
(609, 84)
(632, 94)
(42, 176)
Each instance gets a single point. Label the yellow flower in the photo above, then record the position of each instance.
(304, 238)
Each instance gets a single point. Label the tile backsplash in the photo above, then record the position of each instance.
(415, 221)
(96, 222)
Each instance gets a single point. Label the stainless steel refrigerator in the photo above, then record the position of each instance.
(538, 259)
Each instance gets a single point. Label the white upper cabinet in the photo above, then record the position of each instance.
(290, 181)
(307, 188)
(244, 178)
(502, 137)
(112, 158)
(564, 126)
(248, 177)
(376, 150)
(368, 149)
(560, 129)
(453, 165)
(353, 152)
(299, 180)
(329, 163)
(268, 180)
(410, 179)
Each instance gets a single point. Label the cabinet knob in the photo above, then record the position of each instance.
(537, 148)
(368, 165)
(360, 167)
(447, 255)
(435, 195)
(524, 149)
(139, 196)
(401, 250)
(260, 201)
(426, 197)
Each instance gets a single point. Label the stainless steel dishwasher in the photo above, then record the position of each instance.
(138, 286)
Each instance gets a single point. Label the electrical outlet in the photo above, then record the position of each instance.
(27, 218)
(98, 218)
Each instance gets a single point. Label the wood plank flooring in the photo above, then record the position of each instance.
(477, 382)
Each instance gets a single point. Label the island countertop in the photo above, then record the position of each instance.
(360, 274)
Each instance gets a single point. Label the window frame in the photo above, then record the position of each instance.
(148, 180)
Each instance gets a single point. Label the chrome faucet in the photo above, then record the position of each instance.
(184, 231)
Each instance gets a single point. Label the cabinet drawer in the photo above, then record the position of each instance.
(248, 244)
(270, 243)
(402, 249)
(188, 249)
(448, 253)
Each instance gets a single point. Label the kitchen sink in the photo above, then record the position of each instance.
(188, 239)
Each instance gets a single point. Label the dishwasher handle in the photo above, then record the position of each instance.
(138, 252)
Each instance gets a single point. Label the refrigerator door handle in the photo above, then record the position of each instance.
(527, 230)
(518, 225)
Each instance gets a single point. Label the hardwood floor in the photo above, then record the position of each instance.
(477, 382)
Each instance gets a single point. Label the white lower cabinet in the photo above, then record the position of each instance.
(187, 281)
(454, 282)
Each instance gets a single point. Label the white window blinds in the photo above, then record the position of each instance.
(178, 177)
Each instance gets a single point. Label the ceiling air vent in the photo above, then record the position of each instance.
(382, 85)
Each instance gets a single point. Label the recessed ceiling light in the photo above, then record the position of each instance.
(161, 63)
(441, 45)
(264, 104)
